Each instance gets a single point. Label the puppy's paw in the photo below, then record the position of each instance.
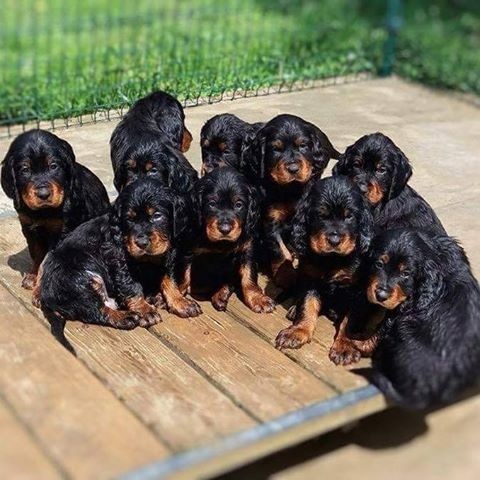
(261, 303)
(129, 321)
(29, 281)
(36, 298)
(157, 301)
(294, 336)
(186, 308)
(149, 319)
(344, 353)
(219, 302)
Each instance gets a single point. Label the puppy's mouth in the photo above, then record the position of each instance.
(339, 244)
(299, 171)
(385, 297)
(211, 166)
(44, 196)
(372, 190)
(223, 231)
(154, 245)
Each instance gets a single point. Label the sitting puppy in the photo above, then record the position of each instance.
(150, 141)
(51, 193)
(381, 171)
(331, 230)
(281, 159)
(427, 349)
(222, 140)
(225, 248)
(101, 272)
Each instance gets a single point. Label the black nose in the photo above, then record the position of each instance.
(334, 239)
(142, 241)
(382, 294)
(225, 228)
(43, 193)
(293, 168)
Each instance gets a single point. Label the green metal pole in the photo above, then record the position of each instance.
(393, 23)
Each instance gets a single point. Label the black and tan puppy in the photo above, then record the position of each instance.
(51, 192)
(331, 231)
(226, 244)
(282, 157)
(102, 272)
(222, 140)
(381, 171)
(150, 141)
(427, 349)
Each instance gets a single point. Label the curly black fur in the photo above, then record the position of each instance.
(429, 343)
(222, 140)
(150, 141)
(51, 192)
(381, 171)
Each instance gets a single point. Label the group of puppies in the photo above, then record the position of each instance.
(356, 246)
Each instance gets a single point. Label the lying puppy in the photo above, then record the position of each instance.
(427, 349)
(222, 139)
(331, 230)
(150, 141)
(51, 193)
(101, 272)
(225, 246)
(281, 159)
(381, 171)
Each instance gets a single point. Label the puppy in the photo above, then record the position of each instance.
(51, 193)
(331, 231)
(150, 141)
(381, 171)
(427, 349)
(225, 247)
(101, 272)
(281, 159)
(222, 139)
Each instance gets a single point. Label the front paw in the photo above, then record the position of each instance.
(261, 303)
(149, 319)
(185, 308)
(157, 301)
(344, 353)
(36, 298)
(294, 336)
(219, 302)
(29, 281)
(129, 321)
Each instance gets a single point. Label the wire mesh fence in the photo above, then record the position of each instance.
(66, 58)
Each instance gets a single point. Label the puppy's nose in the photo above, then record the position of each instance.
(382, 294)
(225, 228)
(43, 193)
(334, 239)
(293, 168)
(142, 241)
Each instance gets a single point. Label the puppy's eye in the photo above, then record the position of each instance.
(53, 166)
(378, 264)
(381, 169)
(357, 164)
(238, 205)
(158, 216)
(25, 169)
(152, 171)
(404, 274)
(212, 203)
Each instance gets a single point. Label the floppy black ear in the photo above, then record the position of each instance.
(402, 172)
(115, 222)
(252, 157)
(182, 216)
(366, 227)
(8, 177)
(119, 179)
(181, 176)
(322, 148)
(253, 212)
(298, 226)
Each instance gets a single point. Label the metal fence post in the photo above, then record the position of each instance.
(393, 22)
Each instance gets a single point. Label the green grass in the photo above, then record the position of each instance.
(66, 58)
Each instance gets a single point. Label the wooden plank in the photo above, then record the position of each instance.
(81, 425)
(263, 381)
(314, 356)
(149, 378)
(20, 456)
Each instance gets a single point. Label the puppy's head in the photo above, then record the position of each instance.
(397, 260)
(150, 218)
(221, 140)
(332, 218)
(158, 161)
(377, 166)
(38, 170)
(288, 150)
(228, 206)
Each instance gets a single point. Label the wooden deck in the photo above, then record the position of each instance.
(127, 399)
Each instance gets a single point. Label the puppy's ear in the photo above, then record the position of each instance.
(253, 212)
(115, 221)
(322, 148)
(186, 139)
(402, 171)
(366, 228)
(298, 231)
(182, 215)
(252, 157)
(8, 177)
(181, 176)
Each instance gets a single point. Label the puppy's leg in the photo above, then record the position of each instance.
(301, 332)
(221, 296)
(37, 249)
(343, 351)
(252, 294)
(283, 272)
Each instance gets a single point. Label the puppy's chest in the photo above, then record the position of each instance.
(280, 212)
(46, 225)
(334, 273)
